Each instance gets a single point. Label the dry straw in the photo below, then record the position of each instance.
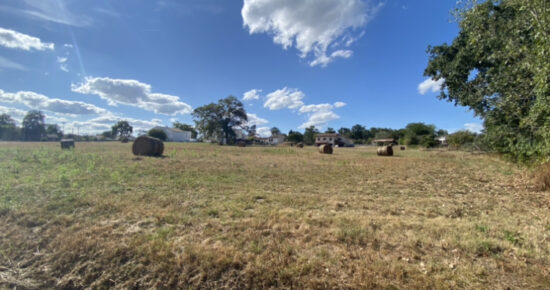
(325, 149)
(147, 146)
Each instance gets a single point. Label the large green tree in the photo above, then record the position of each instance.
(122, 128)
(220, 119)
(295, 137)
(499, 67)
(8, 129)
(309, 135)
(33, 127)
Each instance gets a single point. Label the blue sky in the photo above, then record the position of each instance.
(328, 63)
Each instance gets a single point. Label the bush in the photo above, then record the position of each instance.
(157, 133)
(461, 138)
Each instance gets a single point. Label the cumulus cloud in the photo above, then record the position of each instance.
(339, 104)
(253, 94)
(63, 63)
(40, 102)
(15, 113)
(473, 127)
(253, 119)
(6, 63)
(13, 39)
(314, 27)
(430, 85)
(319, 119)
(284, 98)
(263, 131)
(133, 93)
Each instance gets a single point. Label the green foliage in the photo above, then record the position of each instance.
(295, 137)
(33, 126)
(275, 131)
(122, 129)
(309, 135)
(8, 129)
(346, 132)
(499, 67)
(358, 132)
(186, 127)
(461, 138)
(54, 130)
(157, 133)
(217, 120)
(330, 131)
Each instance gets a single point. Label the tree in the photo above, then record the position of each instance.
(499, 67)
(330, 130)
(252, 131)
(219, 120)
(122, 129)
(33, 126)
(295, 137)
(275, 131)
(157, 133)
(53, 129)
(107, 134)
(186, 127)
(346, 132)
(460, 138)
(309, 135)
(358, 132)
(419, 133)
(8, 129)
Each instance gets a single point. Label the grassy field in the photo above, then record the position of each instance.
(207, 216)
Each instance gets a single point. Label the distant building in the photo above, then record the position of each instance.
(273, 139)
(333, 139)
(441, 140)
(175, 135)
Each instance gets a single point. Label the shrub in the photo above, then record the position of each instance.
(461, 138)
(157, 133)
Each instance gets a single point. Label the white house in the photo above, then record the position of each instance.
(175, 135)
(273, 139)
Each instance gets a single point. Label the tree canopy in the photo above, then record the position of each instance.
(218, 120)
(33, 127)
(499, 67)
(122, 129)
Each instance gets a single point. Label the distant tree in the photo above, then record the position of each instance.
(219, 119)
(252, 131)
(357, 132)
(295, 137)
(8, 129)
(461, 138)
(346, 132)
(419, 134)
(383, 134)
(186, 127)
(122, 129)
(107, 134)
(309, 135)
(53, 129)
(330, 130)
(275, 131)
(441, 132)
(33, 126)
(157, 133)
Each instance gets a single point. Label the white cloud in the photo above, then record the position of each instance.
(56, 11)
(319, 119)
(316, 108)
(13, 39)
(63, 63)
(263, 131)
(313, 27)
(284, 98)
(339, 104)
(430, 85)
(473, 127)
(6, 63)
(133, 93)
(253, 119)
(68, 45)
(40, 102)
(253, 94)
(15, 113)
(105, 122)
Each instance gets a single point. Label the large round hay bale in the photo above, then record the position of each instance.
(67, 143)
(403, 148)
(148, 146)
(385, 150)
(325, 149)
(300, 145)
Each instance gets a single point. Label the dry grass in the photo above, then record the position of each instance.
(208, 216)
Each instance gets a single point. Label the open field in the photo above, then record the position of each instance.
(208, 216)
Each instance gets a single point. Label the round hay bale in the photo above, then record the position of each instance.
(241, 144)
(386, 150)
(147, 146)
(402, 148)
(300, 145)
(325, 149)
(67, 143)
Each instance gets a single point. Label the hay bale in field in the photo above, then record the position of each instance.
(300, 145)
(148, 146)
(67, 143)
(386, 150)
(241, 143)
(402, 148)
(325, 149)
